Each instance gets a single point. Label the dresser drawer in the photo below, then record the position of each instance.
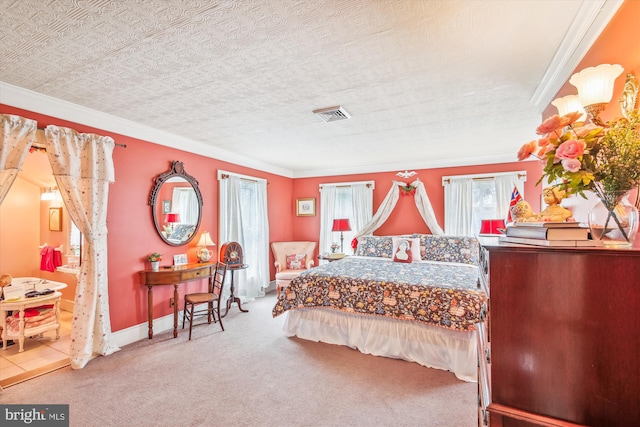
(194, 274)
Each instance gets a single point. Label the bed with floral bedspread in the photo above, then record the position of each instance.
(438, 293)
(425, 311)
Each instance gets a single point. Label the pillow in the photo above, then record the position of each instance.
(460, 249)
(296, 262)
(374, 246)
(406, 250)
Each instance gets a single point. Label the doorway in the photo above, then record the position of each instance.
(24, 229)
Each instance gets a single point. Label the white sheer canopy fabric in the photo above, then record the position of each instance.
(388, 204)
(425, 208)
(17, 134)
(235, 217)
(82, 165)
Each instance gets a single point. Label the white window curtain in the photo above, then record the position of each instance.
(327, 209)
(351, 200)
(17, 135)
(460, 217)
(244, 219)
(504, 187)
(185, 201)
(82, 165)
(458, 208)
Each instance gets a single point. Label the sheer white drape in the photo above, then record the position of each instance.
(352, 200)
(82, 165)
(327, 209)
(244, 219)
(17, 134)
(185, 201)
(458, 208)
(504, 187)
(386, 207)
(460, 218)
(362, 201)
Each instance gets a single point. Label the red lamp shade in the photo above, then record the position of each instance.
(172, 217)
(491, 226)
(341, 225)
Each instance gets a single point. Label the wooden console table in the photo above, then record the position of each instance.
(173, 275)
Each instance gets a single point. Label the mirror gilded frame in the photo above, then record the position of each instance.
(176, 205)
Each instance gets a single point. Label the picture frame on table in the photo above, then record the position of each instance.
(306, 207)
(55, 219)
(180, 259)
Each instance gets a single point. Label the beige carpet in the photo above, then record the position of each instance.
(250, 375)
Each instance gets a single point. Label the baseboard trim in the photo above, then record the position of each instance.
(141, 331)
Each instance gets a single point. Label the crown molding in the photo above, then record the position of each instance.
(43, 104)
(591, 19)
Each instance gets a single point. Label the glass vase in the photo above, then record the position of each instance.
(614, 220)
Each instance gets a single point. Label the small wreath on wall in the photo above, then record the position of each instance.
(407, 189)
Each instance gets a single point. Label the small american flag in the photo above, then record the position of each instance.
(515, 198)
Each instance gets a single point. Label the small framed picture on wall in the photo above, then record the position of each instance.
(306, 207)
(55, 219)
(166, 206)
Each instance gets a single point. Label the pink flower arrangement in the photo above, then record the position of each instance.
(579, 157)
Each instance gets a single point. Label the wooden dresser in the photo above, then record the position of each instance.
(560, 340)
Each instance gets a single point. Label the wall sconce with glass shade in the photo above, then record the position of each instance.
(569, 104)
(204, 254)
(595, 88)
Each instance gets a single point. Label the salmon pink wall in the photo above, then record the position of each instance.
(132, 234)
(405, 218)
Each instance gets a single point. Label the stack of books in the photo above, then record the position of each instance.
(549, 234)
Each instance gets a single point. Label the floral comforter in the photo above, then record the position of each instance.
(437, 293)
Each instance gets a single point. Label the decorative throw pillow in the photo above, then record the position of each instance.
(296, 261)
(406, 250)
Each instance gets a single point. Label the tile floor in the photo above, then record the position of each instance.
(38, 352)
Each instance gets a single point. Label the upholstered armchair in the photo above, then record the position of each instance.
(291, 259)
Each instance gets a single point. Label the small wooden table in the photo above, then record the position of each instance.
(173, 275)
(232, 298)
(20, 305)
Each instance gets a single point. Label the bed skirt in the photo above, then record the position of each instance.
(430, 346)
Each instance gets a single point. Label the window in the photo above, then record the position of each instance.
(244, 219)
(350, 200)
(468, 199)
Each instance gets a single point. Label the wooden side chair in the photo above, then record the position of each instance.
(211, 298)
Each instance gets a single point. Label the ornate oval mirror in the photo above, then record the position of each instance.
(176, 205)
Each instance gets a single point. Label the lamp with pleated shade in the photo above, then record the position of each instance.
(341, 225)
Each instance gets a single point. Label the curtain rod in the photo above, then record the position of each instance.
(483, 177)
(39, 145)
(242, 177)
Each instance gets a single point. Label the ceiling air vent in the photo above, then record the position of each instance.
(332, 114)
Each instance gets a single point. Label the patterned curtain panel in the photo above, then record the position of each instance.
(17, 134)
(83, 168)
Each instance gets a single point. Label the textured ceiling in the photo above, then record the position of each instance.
(427, 83)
